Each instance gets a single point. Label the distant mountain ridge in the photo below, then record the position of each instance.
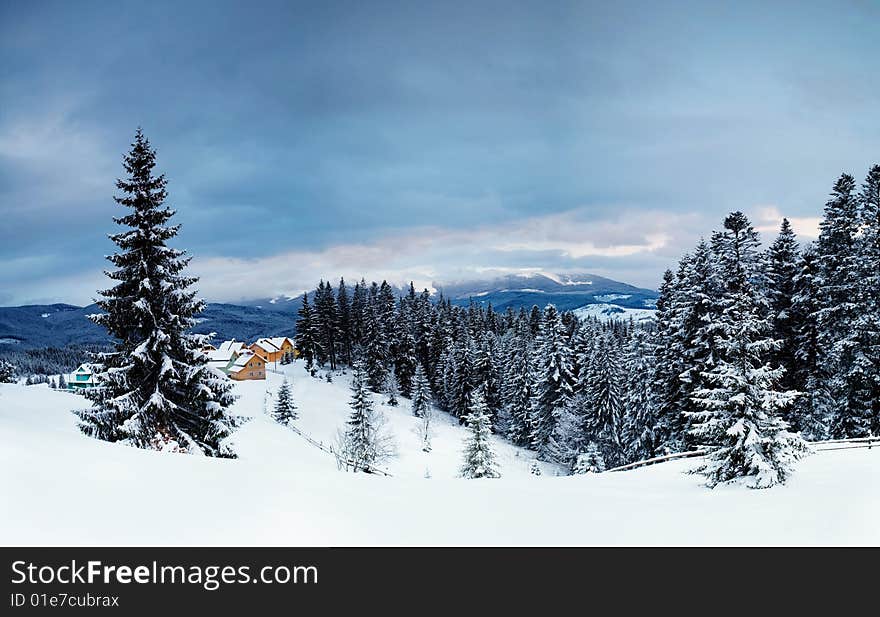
(565, 291)
(58, 325)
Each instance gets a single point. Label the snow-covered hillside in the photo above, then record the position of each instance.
(323, 409)
(612, 311)
(60, 487)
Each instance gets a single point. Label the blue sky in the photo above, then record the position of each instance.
(423, 140)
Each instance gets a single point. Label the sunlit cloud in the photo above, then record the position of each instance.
(769, 218)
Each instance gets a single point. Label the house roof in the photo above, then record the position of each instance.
(242, 361)
(226, 351)
(220, 364)
(233, 346)
(271, 345)
(84, 369)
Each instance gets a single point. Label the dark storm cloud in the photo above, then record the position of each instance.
(296, 128)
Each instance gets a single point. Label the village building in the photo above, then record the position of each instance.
(273, 349)
(224, 356)
(82, 378)
(247, 366)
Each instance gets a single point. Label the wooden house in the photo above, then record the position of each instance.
(273, 349)
(82, 378)
(247, 366)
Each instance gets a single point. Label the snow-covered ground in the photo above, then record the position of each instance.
(612, 311)
(60, 487)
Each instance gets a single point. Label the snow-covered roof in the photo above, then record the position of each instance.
(231, 346)
(226, 351)
(218, 355)
(242, 360)
(271, 345)
(86, 369)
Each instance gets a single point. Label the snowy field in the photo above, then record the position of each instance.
(62, 488)
(612, 311)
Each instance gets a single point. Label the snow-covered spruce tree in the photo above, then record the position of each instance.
(421, 406)
(375, 347)
(284, 411)
(486, 372)
(306, 335)
(604, 398)
(668, 368)
(364, 442)
(516, 392)
(391, 389)
(868, 323)
(568, 439)
(740, 406)
(808, 413)
(782, 268)
(554, 381)
(326, 324)
(479, 460)
(403, 350)
(839, 307)
(157, 390)
(421, 395)
(461, 375)
(640, 406)
(346, 335)
(694, 325)
(7, 372)
(590, 461)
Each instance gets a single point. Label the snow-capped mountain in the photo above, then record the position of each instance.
(524, 289)
(566, 291)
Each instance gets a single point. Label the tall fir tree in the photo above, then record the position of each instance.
(839, 310)
(604, 399)
(554, 381)
(364, 442)
(479, 459)
(284, 411)
(668, 368)
(517, 386)
(306, 335)
(376, 347)
(867, 360)
(695, 324)
(808, 413)
(782, 268)
(739, 409)
(421, 395)
(7, 372)
(344, 323)
(640, 433)
(568, 439)
(157, 390)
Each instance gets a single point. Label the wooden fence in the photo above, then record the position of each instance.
(320, 444)
(818, 446)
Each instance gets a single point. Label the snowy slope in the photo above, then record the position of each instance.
(612, 311)
(60, 487)
(323, 409)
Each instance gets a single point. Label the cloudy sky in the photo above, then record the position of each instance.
(431, 141)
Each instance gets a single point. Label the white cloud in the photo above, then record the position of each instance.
(561, 242)
(632, 246)
(769, 218)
